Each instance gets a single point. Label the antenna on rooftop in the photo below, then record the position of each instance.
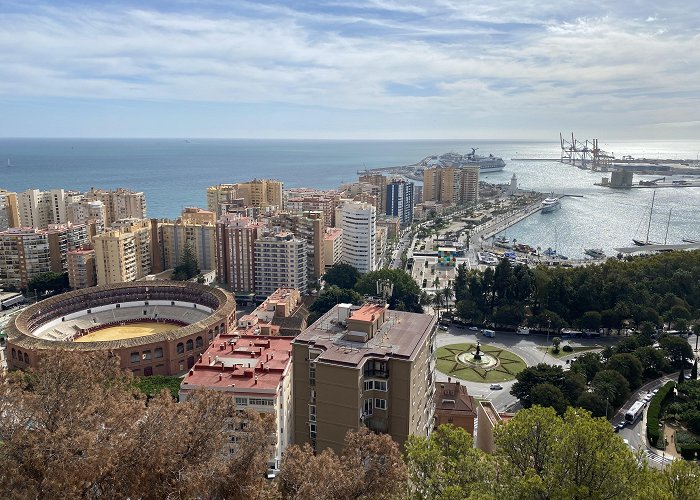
(384, 289)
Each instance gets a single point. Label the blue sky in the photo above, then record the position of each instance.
(498, 69)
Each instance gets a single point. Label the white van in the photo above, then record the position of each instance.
(523, 330)
(489, 333)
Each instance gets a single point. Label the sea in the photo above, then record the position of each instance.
(174, 173)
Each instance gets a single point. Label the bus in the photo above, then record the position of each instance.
(635, 411)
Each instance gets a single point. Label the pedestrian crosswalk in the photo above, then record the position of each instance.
(658, 459)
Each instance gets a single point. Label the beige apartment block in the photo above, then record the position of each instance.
(220, 194)
(332, 246)
(308, 226)
(457, 185)
(235, 253)
(364, 366)
(324, 202)
(258, 193)
(119, 204)
(88, 212)
(82, 272)
(196, 228)
(9, 211)
(280, 262)
(40, 208)
(380, 181)
(124, 253)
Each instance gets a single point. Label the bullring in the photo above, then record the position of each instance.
(178, 320)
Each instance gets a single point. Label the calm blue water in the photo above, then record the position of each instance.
(175, 173)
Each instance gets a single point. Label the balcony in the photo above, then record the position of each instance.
(376, 372)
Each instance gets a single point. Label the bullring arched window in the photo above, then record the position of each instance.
(199, 342)
(180, 348)
(189, 345)
(19, 355)
(158, 353)
(26, 358)
(14, 353)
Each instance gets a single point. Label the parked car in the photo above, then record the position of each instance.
(523, 331)
(443, 327)
(496, 387)
(474, 328)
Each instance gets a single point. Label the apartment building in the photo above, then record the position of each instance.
(196, 228)
(119, 204)
(88, 212)
(363, 366)
(399, 201)
(308, 226)
(235, 255)
(256, 371)
(380, 181)
(258, 193)
(359, 224)
(9, 211)
(124, 252)
(82, 272)
(380, 246)
(456, 185)
(280, 262)
(40, 208)
(220, 194)
(324, 202)
(332, 246)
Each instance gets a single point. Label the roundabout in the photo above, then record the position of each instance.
(478, 363)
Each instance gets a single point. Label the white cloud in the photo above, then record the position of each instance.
(485, 61)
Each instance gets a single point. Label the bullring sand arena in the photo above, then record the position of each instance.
(131, 331)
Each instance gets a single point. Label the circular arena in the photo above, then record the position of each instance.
(155, 327)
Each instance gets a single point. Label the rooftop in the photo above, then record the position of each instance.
(332, 233)
(399, 337)
(453, 396)
(249, 364)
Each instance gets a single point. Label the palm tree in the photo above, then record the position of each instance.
(436, 281)
(448, 292)
(437, 302)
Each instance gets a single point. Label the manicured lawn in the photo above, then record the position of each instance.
(562, 354)
(152, 386)
(508, 367)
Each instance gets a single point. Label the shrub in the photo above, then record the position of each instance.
(654, 412)
(568, 348)
(555, 350)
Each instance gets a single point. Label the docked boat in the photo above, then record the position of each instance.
(502, 242)
(596, 253)
(550, 205)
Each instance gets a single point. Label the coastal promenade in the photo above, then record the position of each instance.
(504, 221)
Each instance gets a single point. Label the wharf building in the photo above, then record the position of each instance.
(332, 246)
(399, 201)
(235, 253)
(196, 228)
(456, 185)
(359, 224)
(9, 212)
(364, 366)
(25, 253)
(308, 226)
(123, 253)
(257, 372)
(279, 262)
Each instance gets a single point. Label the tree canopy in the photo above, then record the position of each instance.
(341, 275)
(188, 267)
(406, 295)
(48, 282)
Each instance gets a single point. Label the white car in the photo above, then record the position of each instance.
(496, 387)
(474, 328)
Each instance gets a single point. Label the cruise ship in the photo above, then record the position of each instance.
(550, 205)
(486, 164)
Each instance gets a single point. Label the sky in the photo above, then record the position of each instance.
(379, 69)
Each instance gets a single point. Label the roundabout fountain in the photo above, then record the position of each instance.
(478, 363)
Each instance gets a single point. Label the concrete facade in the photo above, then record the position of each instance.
(359, 224)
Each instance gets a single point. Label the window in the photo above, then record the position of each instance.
(261, 401)
(135, 357)
(377, 385)
(14, 353)
(312, 431)
(26, 358)
(312, 413)
(158, 353)
(369, 385)
(199, 342)
(190, 345)
(146, 355)
(312, 373)
(380, 404)
(242, 401)
(180, 349)
(367, 407)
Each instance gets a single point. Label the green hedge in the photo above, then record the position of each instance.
(687, 445)
(654, 412)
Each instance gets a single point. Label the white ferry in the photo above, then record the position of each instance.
(550, 205)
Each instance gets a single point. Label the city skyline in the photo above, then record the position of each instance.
(349, 70)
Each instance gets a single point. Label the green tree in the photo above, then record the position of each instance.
(594, 403)
(549, 395)
(446, 465)
(628, 366)
(188, 267)
(612, 386)
(681, 479)
(447, 294)
(677, 348)
(681, 377)
(342, 275)
(653, 361)
(469, 311)
(556, 342)
(509, 315)
(535, 375)
(406, 293)
(590, 320)
(694, 371)
(461, 283)
(587, 364)
(48, 282)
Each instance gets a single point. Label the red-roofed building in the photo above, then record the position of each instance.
(257, 371)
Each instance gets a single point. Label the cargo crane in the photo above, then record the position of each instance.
(584, 154)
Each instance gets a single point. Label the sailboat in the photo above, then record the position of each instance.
(646, 242)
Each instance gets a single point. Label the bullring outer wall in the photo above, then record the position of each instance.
(177, 350)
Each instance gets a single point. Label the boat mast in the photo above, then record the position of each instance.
(650, 212)
(668, 223)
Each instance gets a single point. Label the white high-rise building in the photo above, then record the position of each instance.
(40, 208)
(359, 224)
